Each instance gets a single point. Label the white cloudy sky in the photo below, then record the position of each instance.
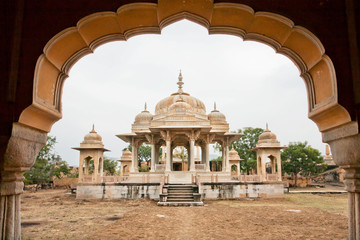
(250, 83)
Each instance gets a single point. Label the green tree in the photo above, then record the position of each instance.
(47, 165)
(144, 153)
(109, 166)
(301, 158)
(244, 145)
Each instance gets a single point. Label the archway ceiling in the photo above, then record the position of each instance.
(43, 20)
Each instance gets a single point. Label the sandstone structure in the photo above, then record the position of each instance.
(183, 131)
(324, 49)
(180, 120)
(91, 148)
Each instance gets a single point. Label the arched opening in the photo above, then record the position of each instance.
(180, 158)
(299, 44)
(234, 170)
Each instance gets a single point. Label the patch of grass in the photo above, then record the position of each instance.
(334, 203)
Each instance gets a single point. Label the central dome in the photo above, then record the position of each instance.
(163, 105)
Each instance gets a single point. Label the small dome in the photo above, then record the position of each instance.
(267, 135)
(144, 117)
(92, 137)
(217, 116)
(127, 152)
(180, 106)
(126, 156)
(233, 155)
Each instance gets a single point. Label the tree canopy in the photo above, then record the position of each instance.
(244, 145)
(109, 166)
(144, 153)
(47, 165)
(301, 158)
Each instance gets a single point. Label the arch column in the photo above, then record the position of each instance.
(279, 170)
(151, 140)
(344, 142)
(81, 167)
(167, 137)
(21, 151)
(193, 136)
(134, 156)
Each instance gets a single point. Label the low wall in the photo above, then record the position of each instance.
(236, 190)
(213, 191)
(117, 190)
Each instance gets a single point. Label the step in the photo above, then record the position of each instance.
(186, 192)
(180, 204)
(177, 194)
(179, 200)
(183, 197)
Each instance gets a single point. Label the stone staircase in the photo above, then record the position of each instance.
(180, 195)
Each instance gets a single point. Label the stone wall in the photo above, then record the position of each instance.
(211, 191)
(117, 191)
(238, 190)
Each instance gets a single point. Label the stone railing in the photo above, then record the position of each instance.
(272, 177)
(249, 178)
(159, 167)
(87, 179)
(200, 167)
(109, 178)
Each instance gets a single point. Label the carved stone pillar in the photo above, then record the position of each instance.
(152, 142)
(192, 154)
(134, 160)
(345, 147)
(223, 167)
(279, 170)
(21, 151)
(168, 155)
(153, 156)
(167, 138)
(207, 157)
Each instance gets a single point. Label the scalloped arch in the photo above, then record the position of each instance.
(279, 32)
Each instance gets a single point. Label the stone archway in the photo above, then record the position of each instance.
(296, 42)
(69, 45)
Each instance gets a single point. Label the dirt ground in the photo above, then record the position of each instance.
(56, 214)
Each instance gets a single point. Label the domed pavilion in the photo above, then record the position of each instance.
(91, 148)
(268, 156)
(180, 120)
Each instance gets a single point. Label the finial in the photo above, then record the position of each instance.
(180, 83)
(93, 128)
(267, 127)
(145, 108)
(214, 105)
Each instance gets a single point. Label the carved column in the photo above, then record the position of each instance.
(203, 154)
(223, 167)
(153, 156)
(167, 137)
(152, 142)
(207, 139)
(345, 147)
(207, 157)
(192, 154)
(134, 160)
(96, 168)
(188, 159)
(81, 167)
(278, 160)
(21, 151)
